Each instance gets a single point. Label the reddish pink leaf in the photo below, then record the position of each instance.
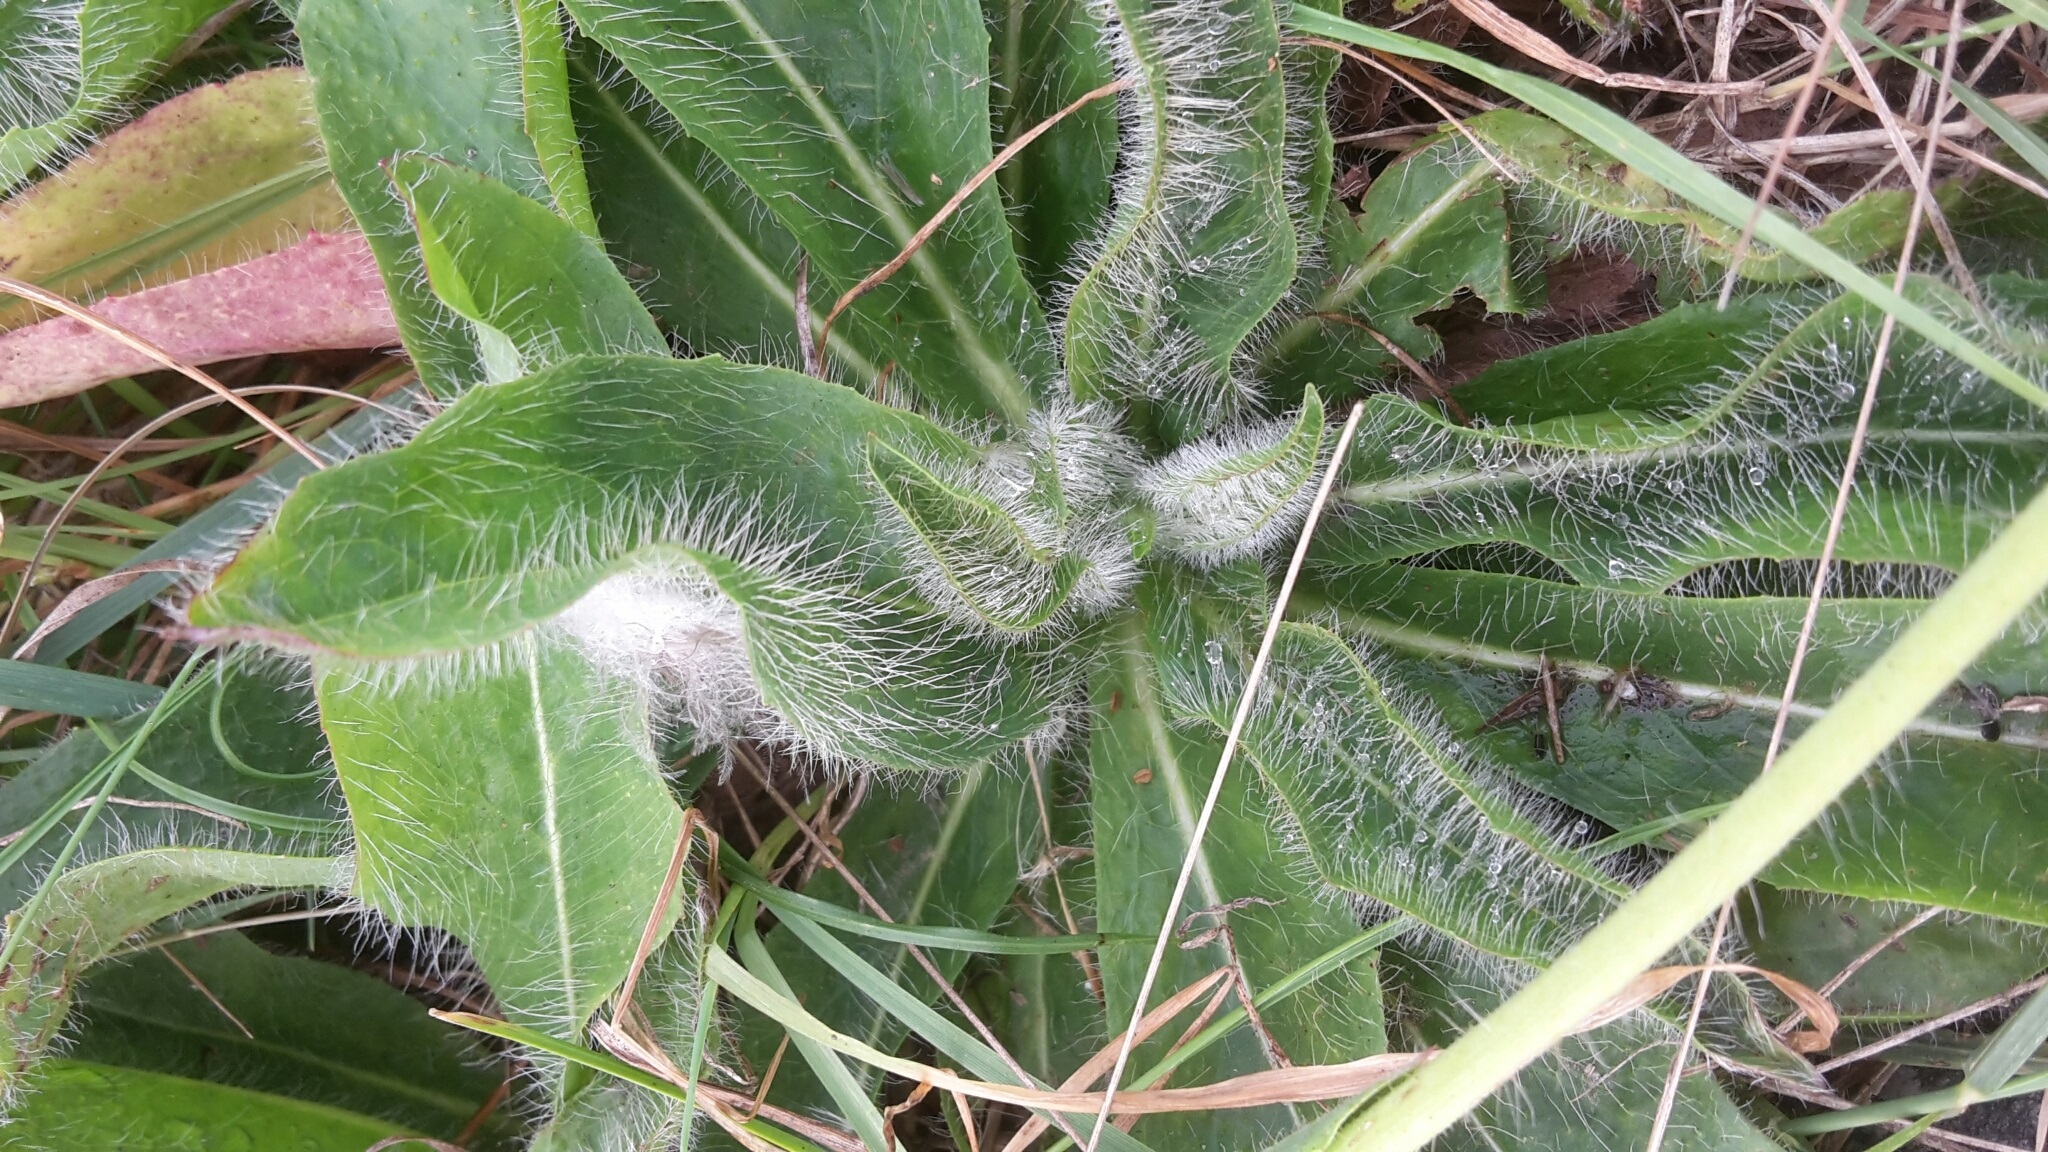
(323, 292)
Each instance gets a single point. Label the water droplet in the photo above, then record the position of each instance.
(1421, 836)
(1199, 264)
(1757, 475)
(1581, 827)
(1402, 452)
(1167, 294)
(1675, 486)
(1616, 566)
(1212, 649)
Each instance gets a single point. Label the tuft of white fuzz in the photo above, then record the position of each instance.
(1239, 493)
(676, 636)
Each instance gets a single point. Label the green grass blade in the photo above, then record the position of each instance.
(846, 1091)
(797, 904)
(1992, 592)
(43, 688)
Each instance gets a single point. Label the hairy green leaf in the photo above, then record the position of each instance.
(1719, 457)
(529, 763)
(506, 262)
(1148, 783)
(1216, 500)
(1944, 964)
(716, 267)
(1045, 54)
(763, 581)
(853, 124)
(544, 86)
(1201, 247)
(93, 909)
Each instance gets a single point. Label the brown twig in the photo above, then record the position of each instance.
(1876, 1047)
(1542, 49)
(1371, 60)
(753, 1108)
(656, 915)
(952, 205)
(1436, 388)
(1087, 962)
(203, 990)
(1546, 678)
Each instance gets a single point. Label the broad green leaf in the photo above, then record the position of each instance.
(1202, 245)
(1149, 781)
(526, 762)
(853, 123)
(1709, 650)
(1433, 224)
(205, 179)
(712, 262)
(434, 76)
(1240, 494)
(320, 1033)
(1391, 807)
(1947, 963)
(1707, 464)
(69, 66)
(92, 910)
(1311, 160)
(78, 1106)
(506, 262)
(1711, 670)
(1046, 54)
(774, 554)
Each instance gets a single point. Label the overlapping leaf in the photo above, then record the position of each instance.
(248, 179)
(439, 77)
(317, 1032)
(852, 124)
(1149, 778)
(457, 548)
